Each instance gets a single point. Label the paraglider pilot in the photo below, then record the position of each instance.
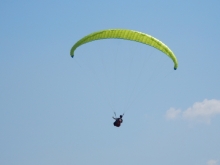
(118, 121)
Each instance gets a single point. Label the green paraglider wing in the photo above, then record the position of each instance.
(127, 35)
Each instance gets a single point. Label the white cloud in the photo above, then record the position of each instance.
(203, 111)
(173, 113)
(212, 162)
(199, 111)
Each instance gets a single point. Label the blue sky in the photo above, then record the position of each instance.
(57, 110)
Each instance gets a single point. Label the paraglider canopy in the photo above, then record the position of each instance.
(127, 35)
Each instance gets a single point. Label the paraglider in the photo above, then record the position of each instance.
(126, 35)
(118, 121)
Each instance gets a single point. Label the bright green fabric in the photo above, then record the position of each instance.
(127, 35)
